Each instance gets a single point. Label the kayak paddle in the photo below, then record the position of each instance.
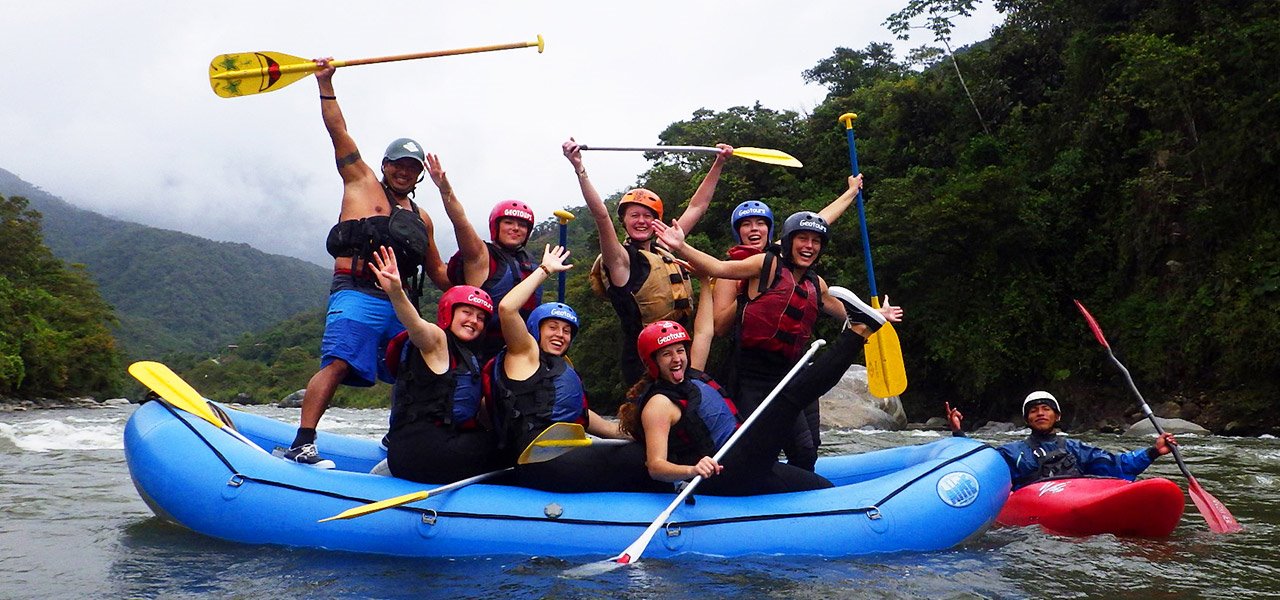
(247, 73)
(1215, 513)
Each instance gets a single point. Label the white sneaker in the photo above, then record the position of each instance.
(858, 311)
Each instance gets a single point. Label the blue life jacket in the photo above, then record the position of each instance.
(452, 399)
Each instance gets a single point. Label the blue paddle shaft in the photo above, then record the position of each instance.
(564, 243)
(862, 215)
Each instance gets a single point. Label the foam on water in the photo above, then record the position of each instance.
(45, 435)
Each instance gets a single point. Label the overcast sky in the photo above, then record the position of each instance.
(108, 104)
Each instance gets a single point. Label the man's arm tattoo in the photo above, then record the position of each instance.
(349, 159)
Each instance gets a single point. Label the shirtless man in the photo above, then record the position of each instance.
(360, 318)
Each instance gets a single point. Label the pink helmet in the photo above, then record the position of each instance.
(511, 209)
(462, 294)
(656, 336)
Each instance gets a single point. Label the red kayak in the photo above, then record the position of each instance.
(1089, 506)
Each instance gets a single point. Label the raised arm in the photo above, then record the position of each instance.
(522, 348)
(615, 256)
(427, 336)
(704, 323)
(725, 300)
(350, 166)
(832, 211)
(432, 264)
(701, 198)
(475, 257)
(672, 236)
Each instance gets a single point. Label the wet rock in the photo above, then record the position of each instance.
(1190, 410)
(1174, 426)
(1168, 410)
(935, 423)
(242, 398)
(1110, 425)
(293, 400)
(850, 406)
(116, 402)
(991, 427)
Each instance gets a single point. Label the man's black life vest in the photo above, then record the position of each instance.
(506, 269)
(402, 230)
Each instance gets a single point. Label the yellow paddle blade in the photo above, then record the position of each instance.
(767, 155)
(554, 441)
(174, 390)
(365, 509)
(886, 374)
(246, 73)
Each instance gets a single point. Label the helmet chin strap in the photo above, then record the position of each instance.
(408, 194)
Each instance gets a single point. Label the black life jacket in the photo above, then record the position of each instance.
(450, 399)
(703, 426)
(1052, 463)
(506, 269)
(553, 394)
(402, 230)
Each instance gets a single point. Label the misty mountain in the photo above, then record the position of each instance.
(174, 292)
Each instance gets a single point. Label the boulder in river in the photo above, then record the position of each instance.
(293, 400)
(850, 406)
(1174, 426)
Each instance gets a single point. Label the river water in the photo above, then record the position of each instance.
(74, 527)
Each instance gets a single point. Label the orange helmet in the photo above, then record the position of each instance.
(644, 198)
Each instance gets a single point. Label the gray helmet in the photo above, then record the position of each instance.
(405, 148)
(803, 221)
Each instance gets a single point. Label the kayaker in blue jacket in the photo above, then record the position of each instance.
(1045, 454)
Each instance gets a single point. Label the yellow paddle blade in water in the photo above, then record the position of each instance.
(886, 374)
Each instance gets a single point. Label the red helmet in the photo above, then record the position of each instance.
(656, 336)
(462, 294)
(511, 209)
(644, 198)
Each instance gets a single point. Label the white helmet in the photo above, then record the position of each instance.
(1040, 397)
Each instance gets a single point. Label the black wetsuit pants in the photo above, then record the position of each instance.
(751, 466)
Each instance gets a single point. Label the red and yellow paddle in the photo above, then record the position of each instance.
(247, 73)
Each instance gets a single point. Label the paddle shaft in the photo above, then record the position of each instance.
(563, 217)
(1146, 410)
(847, 119)
(1215, 513)
(633, 552)
(704, 149)
(308, 66)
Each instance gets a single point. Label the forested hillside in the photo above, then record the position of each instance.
(54, 341)
(174, 292)
(1121, 153)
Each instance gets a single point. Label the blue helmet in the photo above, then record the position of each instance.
(750, 208)
(551, 310)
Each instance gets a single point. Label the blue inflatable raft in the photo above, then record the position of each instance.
(915, 498)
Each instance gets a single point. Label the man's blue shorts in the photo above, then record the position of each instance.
(357, 330)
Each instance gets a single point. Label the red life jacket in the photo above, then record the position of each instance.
(782, 317)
